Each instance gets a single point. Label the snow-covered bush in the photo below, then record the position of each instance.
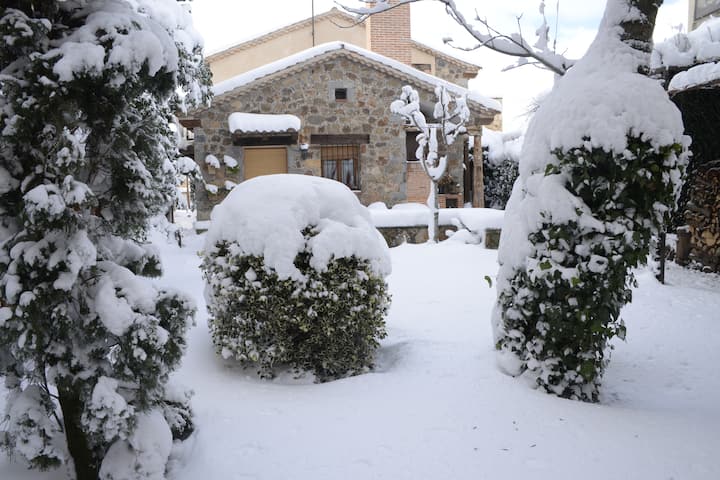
(599, 175)
(87, 92)
(500, 157)
(295, 277)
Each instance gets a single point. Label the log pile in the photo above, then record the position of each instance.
(702, 214)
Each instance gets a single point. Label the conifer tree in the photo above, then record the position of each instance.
(87, 91)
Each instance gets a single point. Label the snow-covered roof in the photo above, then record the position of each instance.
(275, 32)
(445, 56)
(699, 50)
(334, 15)
(262, 123)
(311, 53)
(702, 45)
(698, 75)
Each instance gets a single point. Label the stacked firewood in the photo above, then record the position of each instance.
(702, 215)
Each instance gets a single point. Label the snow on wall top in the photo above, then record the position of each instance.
(418, 214)
(300, 57)
(265, 123)
(266, 216)
(682, 50)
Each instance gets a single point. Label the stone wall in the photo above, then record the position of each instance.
(702, 215)
(395, 236)
(309, 94)
(450, 71)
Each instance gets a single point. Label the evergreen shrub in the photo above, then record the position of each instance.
(328, 323)
(561, 312)
(295, 277)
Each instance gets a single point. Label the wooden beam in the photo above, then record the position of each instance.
(349, 139)
(264, 140)
(190, 123)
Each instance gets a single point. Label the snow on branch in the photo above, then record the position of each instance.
(513, 44)
(451, 114)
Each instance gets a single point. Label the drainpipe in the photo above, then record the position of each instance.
(312, 2)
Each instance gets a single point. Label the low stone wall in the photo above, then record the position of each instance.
(395, 236)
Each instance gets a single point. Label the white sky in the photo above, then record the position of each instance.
(226, 22)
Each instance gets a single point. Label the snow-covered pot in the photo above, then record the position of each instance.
(294, 275)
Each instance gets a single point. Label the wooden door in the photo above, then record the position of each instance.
(265, 161)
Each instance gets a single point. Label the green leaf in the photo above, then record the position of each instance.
(488, 280)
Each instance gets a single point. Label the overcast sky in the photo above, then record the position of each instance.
(226, 22)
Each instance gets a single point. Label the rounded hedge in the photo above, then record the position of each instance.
(296, 280)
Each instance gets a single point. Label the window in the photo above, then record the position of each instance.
(341, 94)
(705, 7)
(341, 163)
(411, 146)
(423, 67)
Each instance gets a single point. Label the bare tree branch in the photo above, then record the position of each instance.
(513, 44)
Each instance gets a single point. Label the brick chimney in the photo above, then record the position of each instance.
(388, 33)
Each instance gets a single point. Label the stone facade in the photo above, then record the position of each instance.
(307, 91)
(450, 71)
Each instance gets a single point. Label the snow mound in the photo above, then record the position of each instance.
(264, 123)
(682, 50)
(266, 217)
(144, 454)
(697, 75)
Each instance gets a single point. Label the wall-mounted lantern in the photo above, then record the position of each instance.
(304, 151)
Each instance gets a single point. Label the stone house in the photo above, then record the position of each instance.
(325, 111)
(387, 34)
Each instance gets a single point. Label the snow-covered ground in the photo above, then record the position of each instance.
(437, 408)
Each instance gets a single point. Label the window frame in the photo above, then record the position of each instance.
(337, 153)
(705, 9)
(411, 144)
(344, 94)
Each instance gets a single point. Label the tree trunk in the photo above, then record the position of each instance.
(87, 466)
(638, 33)
(434, 206)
